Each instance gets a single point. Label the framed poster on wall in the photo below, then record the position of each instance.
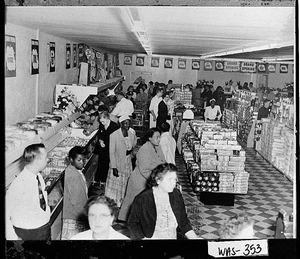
(168, 63)
(219, 66)
(283, 68)
(261, 67)
(74, 55)
(140, 61)
(271, 68)
(181, 63)
(207, 65)
(10, 56)
(155, 62)
(248, 67)
(127, 59)
(52, 56)
(34, 57)
(68, 55)
(231, 66)
(195, 64)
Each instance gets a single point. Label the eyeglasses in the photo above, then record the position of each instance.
(101, 216)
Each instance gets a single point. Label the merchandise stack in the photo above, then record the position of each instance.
(245, 126)
(183, 95)
(229, 119)
(215, 161)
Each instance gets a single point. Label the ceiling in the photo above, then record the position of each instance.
(203, 32)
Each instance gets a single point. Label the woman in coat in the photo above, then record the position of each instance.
(149, 156)
(121, 145)
(163, 112)
(157, 212)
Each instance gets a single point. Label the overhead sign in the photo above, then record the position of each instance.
(248, 67)
(231, 66)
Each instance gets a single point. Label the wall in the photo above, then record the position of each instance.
(26, 94)
(189, 76)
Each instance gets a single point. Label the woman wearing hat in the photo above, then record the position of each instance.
(121, 145)
(212, 112)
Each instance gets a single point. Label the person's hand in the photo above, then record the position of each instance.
(115, 172)
(128, 152)
(101, 142)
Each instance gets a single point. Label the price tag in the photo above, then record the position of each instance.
(238, 248)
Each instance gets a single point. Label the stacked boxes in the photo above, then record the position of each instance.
(184, 97)
(220, 159)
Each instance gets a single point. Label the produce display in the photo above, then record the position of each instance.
(215, 161)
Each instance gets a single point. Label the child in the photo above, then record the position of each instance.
(75, 194)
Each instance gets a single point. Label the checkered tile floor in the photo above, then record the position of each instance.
(268, 191)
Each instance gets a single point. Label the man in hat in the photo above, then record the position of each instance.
(212, 112)
(264, 111)
(123, 107)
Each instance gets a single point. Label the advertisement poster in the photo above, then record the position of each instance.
(10, 56)
(248, 67)
(168, 63)
(74, 55)
(271, 68)
(52, 56)
(68, 55)
(81, 53)
(207, 65)
(140, 61)
(155, 62)
(219, 66)
(195, 64)
(181, 63)
(127, 59)
(34, 57)
(231, 66)
(283, 68)
(261, 67)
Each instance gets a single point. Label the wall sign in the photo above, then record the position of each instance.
(168, 63)
(140, 60)
(195, 64)
(52, 56)
(207, 65)
(34, 57)
(271, 68)
(283, 68)
(261, 67)
(182, 63)
(219, 65)
(74, 55)
(10, 56)
(68, 55)
(248, 67)
(127, 59)
(231, 66)
(155, 62)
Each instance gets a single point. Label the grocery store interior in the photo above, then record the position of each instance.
(253, 159)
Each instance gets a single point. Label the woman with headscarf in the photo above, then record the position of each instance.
(121, 145)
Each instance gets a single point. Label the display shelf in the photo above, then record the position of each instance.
(265, 158)
(14, 154)
(82, 92)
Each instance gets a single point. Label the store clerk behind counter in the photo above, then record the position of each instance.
(212, 112)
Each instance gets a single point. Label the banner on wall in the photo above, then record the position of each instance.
(195, 64)
(68, 55)
(155, 62)
(283, 68)
(127, 59)
(261, 67)
(219, 65)
(208, 65)
(74, 55)
(168, 63)
(52, 56)
(182, 63)
(231, 66)
(140, 60)
(81, 57)
(34, 57)
(248, 67)
(271, 67)
(10, 56)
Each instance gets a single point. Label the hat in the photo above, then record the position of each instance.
(266, 100)
(124, 117)
(212, 100)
